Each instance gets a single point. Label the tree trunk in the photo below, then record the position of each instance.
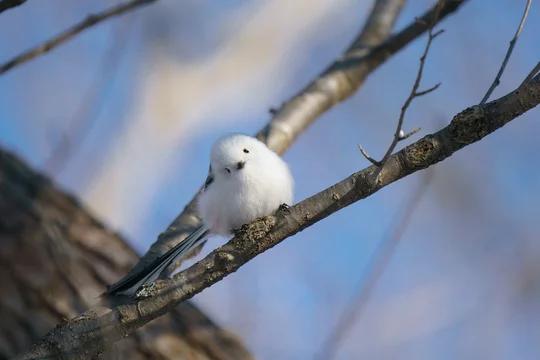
(55, 260)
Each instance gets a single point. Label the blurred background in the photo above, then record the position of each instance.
(124, 116)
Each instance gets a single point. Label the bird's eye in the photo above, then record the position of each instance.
(246, 151)
(228, 170)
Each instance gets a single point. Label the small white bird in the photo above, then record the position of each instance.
(246, 181)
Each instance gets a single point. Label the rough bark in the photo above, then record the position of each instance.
(55, 259)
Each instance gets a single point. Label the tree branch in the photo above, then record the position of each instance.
(370, 49)
(379, 261)
(89, 332)
(497, 80)
(399, 134)
(8, 4)
(70, 33)
(532, 74)
(55, 258)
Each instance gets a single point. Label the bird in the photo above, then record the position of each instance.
(246, 180)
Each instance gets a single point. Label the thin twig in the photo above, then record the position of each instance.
(70, 33)
(366, 155)
(531, 75)
(399, 134)
(8, 4)
(375, 269)
(427, 91)
(497, 80)
(403, 135)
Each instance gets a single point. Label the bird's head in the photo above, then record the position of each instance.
(231, 154)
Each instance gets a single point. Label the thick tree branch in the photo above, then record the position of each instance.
(55, 258)
(8, 4)
(341, 79)
(70, 33)
(89, 331)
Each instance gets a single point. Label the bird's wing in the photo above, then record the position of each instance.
(209, 178)
(130, 284)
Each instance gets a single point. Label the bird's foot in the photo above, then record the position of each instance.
(242, 229)
(284, 208)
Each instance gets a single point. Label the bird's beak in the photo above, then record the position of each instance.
(240, 165)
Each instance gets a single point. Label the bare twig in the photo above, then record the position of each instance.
(403, 135)
(497, 80)
(91, 332)
(367, 156)
(531, 75)
(374, 270)
(70, 33)
(341, 79)
(91, 105)
(8, 4)
(427, 91)
(399, 134)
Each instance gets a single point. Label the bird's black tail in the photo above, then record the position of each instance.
(131, 283)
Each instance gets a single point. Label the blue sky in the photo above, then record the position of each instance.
(463, 282)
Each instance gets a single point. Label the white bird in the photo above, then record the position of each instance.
(246, 181)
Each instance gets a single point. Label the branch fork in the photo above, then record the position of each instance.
(400, 134)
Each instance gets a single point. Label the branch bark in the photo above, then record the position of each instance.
(54, 261)
(66, 35)
(89, 332)
(370, 49)
(8, 4)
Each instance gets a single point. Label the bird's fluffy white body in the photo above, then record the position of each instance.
(247, 180)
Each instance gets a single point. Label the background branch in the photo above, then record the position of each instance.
(374, 271)
(370, 49)
(55, 258)
(497, 80)
(89, 333)
(8, 4)
(70, 33)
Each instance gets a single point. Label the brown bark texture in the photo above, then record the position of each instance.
(55, 260)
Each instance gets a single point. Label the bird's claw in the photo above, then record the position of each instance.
(285, 208)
